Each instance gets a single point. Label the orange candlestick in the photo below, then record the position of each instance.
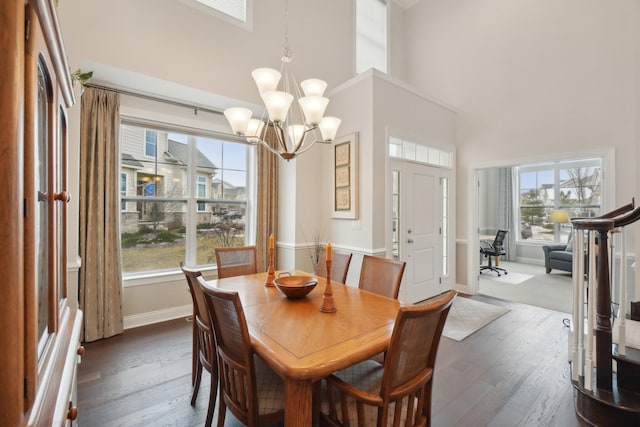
(328, 304)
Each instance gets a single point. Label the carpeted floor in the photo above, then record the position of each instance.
(467, 316)
(552, 291)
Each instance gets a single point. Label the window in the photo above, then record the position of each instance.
(235, 8)
(123, 191)
(150, 143)
(408, 150)
(573, 186)
(237, 12)
(371, 35)
(201, 191)
(189, 199)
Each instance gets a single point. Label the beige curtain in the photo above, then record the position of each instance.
(267, 212)
(101, 271)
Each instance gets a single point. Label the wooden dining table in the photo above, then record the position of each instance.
(301, 343)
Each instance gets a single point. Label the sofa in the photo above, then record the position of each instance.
(557, 257)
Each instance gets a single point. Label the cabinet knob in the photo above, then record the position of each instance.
(72, 413)
(81, 351)
(62, 196)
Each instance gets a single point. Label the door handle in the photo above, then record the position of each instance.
(410, 241)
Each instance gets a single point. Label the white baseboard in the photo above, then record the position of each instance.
(157, 316)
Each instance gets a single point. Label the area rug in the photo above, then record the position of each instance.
(467, 316)
(511, 278)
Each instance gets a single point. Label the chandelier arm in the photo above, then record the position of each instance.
(281, 136)
(268, 147)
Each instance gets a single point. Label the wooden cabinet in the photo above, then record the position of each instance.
(39, 328)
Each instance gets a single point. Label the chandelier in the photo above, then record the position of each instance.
(297, 125)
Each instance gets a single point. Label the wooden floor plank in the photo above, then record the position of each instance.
(512, 372)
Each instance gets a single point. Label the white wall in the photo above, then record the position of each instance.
(200, 58)
(531, 79)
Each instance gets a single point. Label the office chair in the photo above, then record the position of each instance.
(489, 250)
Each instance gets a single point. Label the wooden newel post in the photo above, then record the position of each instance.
(328, 304)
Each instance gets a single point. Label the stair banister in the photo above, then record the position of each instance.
(603, 299)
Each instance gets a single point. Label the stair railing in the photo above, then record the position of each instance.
(593, 328)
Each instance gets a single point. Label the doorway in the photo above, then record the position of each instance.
(421, 228)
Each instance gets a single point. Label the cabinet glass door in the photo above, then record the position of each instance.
(41, 171)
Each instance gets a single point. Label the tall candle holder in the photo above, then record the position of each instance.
(328, 304)
(271, 274)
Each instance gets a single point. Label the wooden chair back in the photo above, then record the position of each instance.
(237, 364)
(204, 342)
(403, 394)
(381, 275)
(236, 261)
(339, 265)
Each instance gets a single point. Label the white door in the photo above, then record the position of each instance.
(421, 218)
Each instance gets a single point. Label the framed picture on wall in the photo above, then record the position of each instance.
(345, 177)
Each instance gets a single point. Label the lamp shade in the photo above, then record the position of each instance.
(559, 216)
(329, 127)
(313, 108)
(313, 87)
(266, 79)
(277, 104)
(238, 118)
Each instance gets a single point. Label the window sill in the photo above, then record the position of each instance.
(161, 277)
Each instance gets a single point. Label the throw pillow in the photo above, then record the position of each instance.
(569, 247)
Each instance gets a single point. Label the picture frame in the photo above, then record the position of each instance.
(344, 167)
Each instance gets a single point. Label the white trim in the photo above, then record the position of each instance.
(157, 316)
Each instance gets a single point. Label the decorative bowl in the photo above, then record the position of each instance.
(295, 287)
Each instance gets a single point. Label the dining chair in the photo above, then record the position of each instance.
(204, 351)
(236, 261)
(339, 265)
(381, 275)
(248, 387)
(398, 392)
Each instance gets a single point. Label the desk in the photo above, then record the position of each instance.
(302, 344)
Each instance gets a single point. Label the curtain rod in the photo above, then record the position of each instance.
(195, 108)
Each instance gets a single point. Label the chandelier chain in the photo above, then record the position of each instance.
(287, 50)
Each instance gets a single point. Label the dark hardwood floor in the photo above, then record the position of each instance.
(513, 372)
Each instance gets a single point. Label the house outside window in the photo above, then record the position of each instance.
(186, 201)
(573, 186)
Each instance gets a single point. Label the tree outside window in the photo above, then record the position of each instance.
(573, 186)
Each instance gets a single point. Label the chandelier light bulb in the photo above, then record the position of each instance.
(277, 104)
(254, 130)
(329, 127)
(313, 87)
(296, 132)
(266, 79)
(313, 108)
(238, 118)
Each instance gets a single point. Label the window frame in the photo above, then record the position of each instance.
(249, 204)
(555, 167)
